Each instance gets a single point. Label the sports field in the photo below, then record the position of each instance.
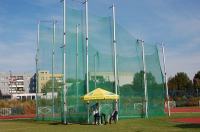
(161, 124)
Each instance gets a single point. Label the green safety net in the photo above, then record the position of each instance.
(155, 87)
(130, 75)
(130, 81)
(75, 68)
(49, 67)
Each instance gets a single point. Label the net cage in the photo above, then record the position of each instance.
(129, 67)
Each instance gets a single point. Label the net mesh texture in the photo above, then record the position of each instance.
(130, 81)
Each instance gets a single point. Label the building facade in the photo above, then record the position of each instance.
(17, 83)
(123, 77)
(4, 83)
(45, 76)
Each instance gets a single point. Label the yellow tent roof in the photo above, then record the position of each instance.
(100, 94)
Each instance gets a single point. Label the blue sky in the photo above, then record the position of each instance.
(174, 22)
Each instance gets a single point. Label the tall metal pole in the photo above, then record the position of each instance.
(53, 79)
(165, 76)
(118, 82)
(64, 63)
(115, 53)
(86, 22)
(145, 81)
(95, 81)
(144, 78)
(77, 54)
(87, 71)
(36, 61)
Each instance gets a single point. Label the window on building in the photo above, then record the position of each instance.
(20, 77)
(33, 97)
(20, 83)
(23, 98)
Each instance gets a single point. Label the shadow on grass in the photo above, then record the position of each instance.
(188, 125)
(60, 123)
(86, 124)
(55, 123)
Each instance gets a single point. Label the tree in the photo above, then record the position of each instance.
(138, 81)
(172, 83)
(154, 89)
(180, 81)
(48, 86)
(196, 81)
(1, 94)
(126, 89)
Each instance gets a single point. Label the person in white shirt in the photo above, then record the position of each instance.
(96, 114)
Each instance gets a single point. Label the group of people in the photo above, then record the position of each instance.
(102, 118)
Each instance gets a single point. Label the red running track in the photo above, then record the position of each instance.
(194, 120)
(184, 109)
(17, 117)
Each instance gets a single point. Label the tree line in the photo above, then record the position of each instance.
(182, 85)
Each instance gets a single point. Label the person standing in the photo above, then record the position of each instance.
(96, 114)
(113, 116)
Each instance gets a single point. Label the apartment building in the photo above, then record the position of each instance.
(17, 83)
(45, 76)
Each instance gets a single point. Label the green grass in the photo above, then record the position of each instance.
(161, 124)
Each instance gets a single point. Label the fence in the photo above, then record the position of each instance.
(14, 109)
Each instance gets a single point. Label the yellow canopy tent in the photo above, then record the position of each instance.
(100, 94)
